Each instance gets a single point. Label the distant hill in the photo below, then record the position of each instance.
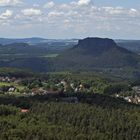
(37, 40)
(21, 48)
(33, 40)
(92, 53)
(27, 56)
(132, 45)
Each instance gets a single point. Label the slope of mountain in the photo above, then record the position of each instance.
(132, 45)
(93, 53)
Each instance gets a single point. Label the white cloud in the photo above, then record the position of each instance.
(31, 12)
(7, 14)
(49, 4)
(84, 2)
(133, 12)
(10, 2)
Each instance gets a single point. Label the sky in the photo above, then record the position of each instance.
(65, 19)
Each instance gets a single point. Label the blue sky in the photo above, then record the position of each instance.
(70, 18)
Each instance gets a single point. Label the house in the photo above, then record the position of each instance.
(64, 83)
(7, 79)
(11, 89)
(24, 110)
(138, 100)
(117, 95)
(76, 89)
(72, 86)
(128, 99)
(81, 87)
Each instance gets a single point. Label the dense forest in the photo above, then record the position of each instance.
(51, 120)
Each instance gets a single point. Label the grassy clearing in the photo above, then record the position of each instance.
(50, 55)
(20, 56)
(20, 87)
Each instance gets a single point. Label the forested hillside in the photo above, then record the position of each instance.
(46, 121)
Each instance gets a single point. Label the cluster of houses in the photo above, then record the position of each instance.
(65, 85)
(7, 89)
(133, 98)
(39, 90)
(9, 79)
(78, 88)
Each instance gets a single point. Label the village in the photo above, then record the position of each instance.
(14, 86)
(134, 97)
(27, 88)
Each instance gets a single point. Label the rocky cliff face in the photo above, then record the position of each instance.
(96, 42)
(96, 45)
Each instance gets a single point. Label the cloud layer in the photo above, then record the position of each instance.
(78, 18)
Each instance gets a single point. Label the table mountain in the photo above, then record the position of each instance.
(91, 53)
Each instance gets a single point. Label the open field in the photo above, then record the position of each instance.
(19, 87)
